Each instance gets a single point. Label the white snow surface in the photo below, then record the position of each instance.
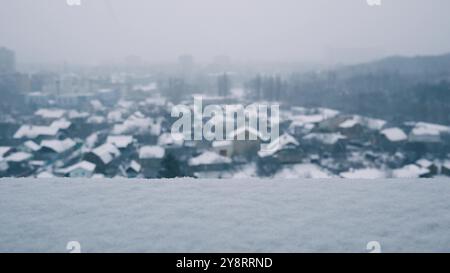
(252, 215)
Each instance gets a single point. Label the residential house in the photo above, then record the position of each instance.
(133, 169)
(55, 149)
(445, 169)
(427, 164)
(105, 157)
(84, 169)
(391, 139)
(37, 133)
(321, 143)
(18, 164)
(209, 161)
(150, 158)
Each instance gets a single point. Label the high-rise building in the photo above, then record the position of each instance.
(7, 61)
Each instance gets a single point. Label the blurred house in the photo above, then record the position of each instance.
(150, 158)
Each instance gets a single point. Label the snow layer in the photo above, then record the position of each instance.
(231, 216)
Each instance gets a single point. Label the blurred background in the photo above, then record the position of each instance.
(87, 87)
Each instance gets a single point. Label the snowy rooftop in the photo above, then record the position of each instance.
(221, 143)
(149, 152)
(18, 157)
(394, 134)
(61, 124)
(135, 166)
(171, 139)
(410, 171)
(85, 165)
(120, 142)
(430, 129)
(209, 158)
(370, 123)
(326, 138)
(224, 215)
(30, 131)
(4, 150)
(58, 146)
(107, 152)
(50, 113)
(33, 146)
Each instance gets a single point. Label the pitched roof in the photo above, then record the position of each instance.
(106, 152)
(50, 113)
(61, 124)
(18, 157)
(4, 150)
(120, 142)
(148, 152)
(30, 131)
(208, 158)
(394, 134)
(326, 138)
(59, 146)
(85, 165)
(33, 146)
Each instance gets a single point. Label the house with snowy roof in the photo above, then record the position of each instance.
(5, 151)
(4, 166)
(50, 114)
(18, 164)
(30, 146)
(37, 133)
(175, 144)
(391, 139)
(150, 158)
(445, 168)
(325, 143)
(283, 150)
(411, 171)
(55, 148)
(209, 161)
(427, 138)
(359, 127)
(105, 157)
(123, 142)
(83, 169)
(133, 169)
(430, 165)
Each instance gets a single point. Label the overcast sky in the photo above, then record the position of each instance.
(269, 30)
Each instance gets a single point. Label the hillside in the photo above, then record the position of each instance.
(438, 65)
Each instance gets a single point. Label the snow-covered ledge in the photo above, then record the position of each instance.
(224, 215)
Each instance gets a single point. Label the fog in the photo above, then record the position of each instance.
(246, 30)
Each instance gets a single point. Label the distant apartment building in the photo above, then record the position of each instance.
(7, 61)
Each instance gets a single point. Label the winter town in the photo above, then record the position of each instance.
(111, 122)
(224, 134)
